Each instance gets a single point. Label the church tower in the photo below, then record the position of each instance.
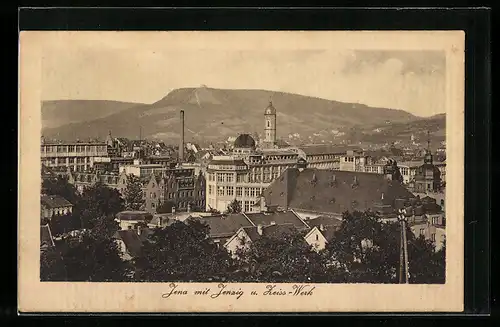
(270, 125)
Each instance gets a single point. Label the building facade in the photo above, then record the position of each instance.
(78, 156)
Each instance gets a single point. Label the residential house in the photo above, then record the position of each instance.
(84, 179)
(131, 219)
(322, 231)
(223, 227)
(434, 232)
(244, 237)
(54, 205)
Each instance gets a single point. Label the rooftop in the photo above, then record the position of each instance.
(333, 191)
(54, 201)
(225, 225)
(134, 215)
(319, 149)
(276, 218)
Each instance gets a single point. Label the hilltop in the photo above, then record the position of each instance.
(215, 114)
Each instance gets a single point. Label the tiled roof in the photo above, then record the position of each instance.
(236, 162)
(333, 191)
(329, 233)
(46, 236)
(226, 225)
(54, 201)
(134, 215)
(278, 218)
(324, 221)
(132, 240)
(273, 231)
(327, 149)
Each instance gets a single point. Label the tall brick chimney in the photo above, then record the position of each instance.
(181, 144)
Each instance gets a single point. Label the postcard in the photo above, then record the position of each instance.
(257, 171)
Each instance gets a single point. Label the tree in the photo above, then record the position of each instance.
(95, 257)
(165, 207)
(369, 251)
(61, 224)
(182, 252)
(98, 201)
(51, 265)
(234, 207)
(287, 258)
(60, 186)
(134, 196)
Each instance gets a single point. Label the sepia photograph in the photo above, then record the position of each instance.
(202, 167)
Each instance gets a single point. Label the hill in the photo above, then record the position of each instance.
(399, 131)
(61, 112)
(214, 114)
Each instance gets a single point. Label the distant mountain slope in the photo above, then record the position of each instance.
(435, 125)
(214, 114)
(57, 113)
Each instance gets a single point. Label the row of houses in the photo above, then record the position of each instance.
(183, 187)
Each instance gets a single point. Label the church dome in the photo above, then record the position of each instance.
(270, 110)
(244, 141)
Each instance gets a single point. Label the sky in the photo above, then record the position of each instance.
(410, 80)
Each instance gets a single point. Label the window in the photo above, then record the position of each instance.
(240, 178)
(220, 191)
(252, 192)
(151, 195)
(239, 191)
(230, 190)
(220, 177)
(422, 231)
(317, 237)
(433, 237)
(152, 205)
(229, 178)
(247, 192)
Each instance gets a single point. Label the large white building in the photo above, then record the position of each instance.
(248, 170)
(78, 156)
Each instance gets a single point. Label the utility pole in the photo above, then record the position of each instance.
(404, 262)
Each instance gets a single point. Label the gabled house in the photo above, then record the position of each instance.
(54, 205)
(131, 219)
(322, 231)
(244, 236)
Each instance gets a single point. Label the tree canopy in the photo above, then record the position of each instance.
(369, 251)
(287, 258)
(133, 194)
(98, 201)
(234, 207)
(59, 185)
(183, 252)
